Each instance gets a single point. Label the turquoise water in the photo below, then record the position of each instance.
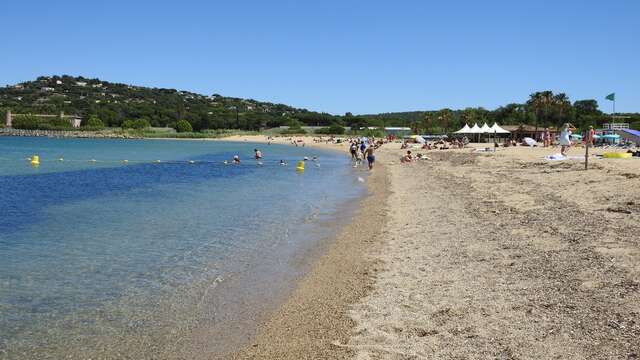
(103, 254)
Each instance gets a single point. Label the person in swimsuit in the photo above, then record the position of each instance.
(371, 158)
(353, 149)
(258, 154)
(236, 159)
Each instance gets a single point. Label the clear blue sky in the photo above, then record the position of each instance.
(336, 56)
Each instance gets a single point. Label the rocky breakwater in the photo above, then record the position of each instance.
(66, 134)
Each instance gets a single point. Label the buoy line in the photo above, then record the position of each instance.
(36, 160)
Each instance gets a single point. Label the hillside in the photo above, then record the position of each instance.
(114, 103)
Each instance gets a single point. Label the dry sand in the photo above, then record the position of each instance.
(506, 256)
(474, 256)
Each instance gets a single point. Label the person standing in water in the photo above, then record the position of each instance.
(371, 158)
(258, 154)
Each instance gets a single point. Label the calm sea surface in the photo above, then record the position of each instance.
(111, 257)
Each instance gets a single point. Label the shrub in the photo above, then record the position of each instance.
(136, 124)
(331, 130)
(28, 122)
(293, 131)
(94, 122)
(127, 124)
(141, 124)
(183, 126)
(59, 123)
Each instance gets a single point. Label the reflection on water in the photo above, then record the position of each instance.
(104, 255)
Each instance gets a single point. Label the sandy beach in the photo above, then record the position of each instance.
(472, 255)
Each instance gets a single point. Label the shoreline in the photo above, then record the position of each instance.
(314, 320)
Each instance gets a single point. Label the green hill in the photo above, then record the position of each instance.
(114, 103)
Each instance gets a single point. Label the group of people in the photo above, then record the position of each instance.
(363, 148)
(257, 155)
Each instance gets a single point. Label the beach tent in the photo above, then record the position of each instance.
(465, 130)
(475, 129)
(485, 128)
(496, 129)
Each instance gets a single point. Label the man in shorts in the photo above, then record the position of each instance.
(371, 158)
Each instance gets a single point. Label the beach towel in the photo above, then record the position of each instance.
(558, 157)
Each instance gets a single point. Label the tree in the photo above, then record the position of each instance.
(549, 108)
(141, 123)
(183, 126)
(427, 122)
(94, 122)
(586, 107)
(444, 117)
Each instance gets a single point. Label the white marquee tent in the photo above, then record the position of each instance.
(496, 129)
(464, 130)
(475, 129)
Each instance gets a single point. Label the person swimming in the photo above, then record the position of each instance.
(258, 154)
(236, 159)
(283, 163)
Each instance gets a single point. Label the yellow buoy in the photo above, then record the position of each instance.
(300, 166)
(35, 160)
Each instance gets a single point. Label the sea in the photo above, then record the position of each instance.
(114, 248)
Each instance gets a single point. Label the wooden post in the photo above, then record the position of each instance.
(586, 154)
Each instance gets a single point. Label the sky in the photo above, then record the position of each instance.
(336, 56)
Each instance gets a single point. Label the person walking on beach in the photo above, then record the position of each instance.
(565, 138)
(371, 158)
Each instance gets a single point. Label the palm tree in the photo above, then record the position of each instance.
(444, 116)
(541, 103)
(427, 122)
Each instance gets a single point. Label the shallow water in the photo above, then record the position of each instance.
(114, 257)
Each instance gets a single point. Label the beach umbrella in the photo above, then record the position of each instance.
(611, 136)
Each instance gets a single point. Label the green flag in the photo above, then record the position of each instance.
(611, 97)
